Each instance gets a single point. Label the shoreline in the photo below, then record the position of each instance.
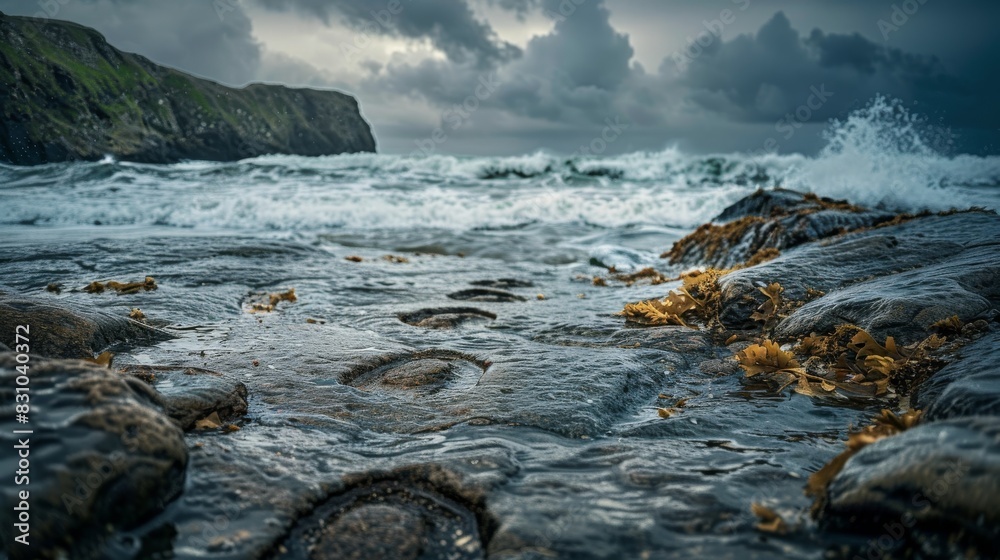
(791, 270)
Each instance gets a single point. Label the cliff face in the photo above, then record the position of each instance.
(66, 94)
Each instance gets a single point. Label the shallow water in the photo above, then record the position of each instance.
(550, 408)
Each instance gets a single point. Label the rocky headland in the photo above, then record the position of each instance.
(66, 94)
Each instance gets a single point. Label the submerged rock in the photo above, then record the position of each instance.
(190, 394)
(103, 457)
(485, 295)
(60, 332)
(932, 489)
(445, 317)
(419, 512)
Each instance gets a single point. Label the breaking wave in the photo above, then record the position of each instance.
(878, 156)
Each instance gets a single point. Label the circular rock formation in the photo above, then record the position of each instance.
(422, 372)
(445, 317)
(102, 457)
(506, 283)
(415, 513)
(485, 295)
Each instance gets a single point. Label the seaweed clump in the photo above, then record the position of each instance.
(847, 363)
(699, 297)
(267, 302)
(123, 288)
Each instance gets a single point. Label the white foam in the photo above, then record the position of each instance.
(877, 156)
(880, 156)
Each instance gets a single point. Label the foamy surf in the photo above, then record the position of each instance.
(879, 156)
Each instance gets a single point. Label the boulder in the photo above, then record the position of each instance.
(103, 456)
(970, 386)
(934, 488)
(55, 331)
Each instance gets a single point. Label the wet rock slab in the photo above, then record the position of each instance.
(104, 457)
(932, 489)
(446, 317)
(59, 331)
(968, 387)
(188, 394)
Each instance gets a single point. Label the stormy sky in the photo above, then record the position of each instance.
(501, 77)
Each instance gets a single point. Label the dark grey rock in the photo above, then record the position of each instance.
(769, 220)
(940, 479)
(485, 295)
(905, 305)
(62, 332)
(844, 260)
(190, 394)
(103, 457)
(970, 386)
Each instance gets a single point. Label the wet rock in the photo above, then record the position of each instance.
(421, 512)
(445, 317)
(884, 277)
(905, 305)
(970, 386)
(103, 457)
(764, 203)
(769, 220)
(933, 488)
(62, 332)
(620, 259)
(190, 394)
(426, 371)
(485, 295)
(503, 283)
(377, 384)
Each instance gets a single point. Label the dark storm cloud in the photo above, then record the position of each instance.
(519, 7)
(761, 77)
(450, 25)
(580, 72)
(188, 34)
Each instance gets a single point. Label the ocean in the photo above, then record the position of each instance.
(545, 399)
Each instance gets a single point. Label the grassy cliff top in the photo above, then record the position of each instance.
(65, 94)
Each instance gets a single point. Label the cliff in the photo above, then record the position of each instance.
(66, 94)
